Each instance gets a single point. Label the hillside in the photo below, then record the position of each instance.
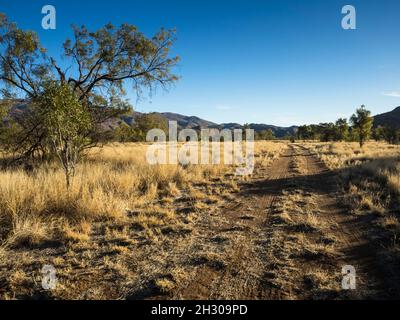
(391, 119)
(193, 122)
(189, 122)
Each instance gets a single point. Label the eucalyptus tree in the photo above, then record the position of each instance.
(97, 69)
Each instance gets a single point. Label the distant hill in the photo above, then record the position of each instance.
(188, 122)
(391, 119)
(279, 132)
(193, 122)
(184, 122)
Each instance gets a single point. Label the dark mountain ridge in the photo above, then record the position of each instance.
(391, 119)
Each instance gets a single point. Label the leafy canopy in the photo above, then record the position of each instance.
(100, 65)
(362, 122)
(64, 116)
(99, 62)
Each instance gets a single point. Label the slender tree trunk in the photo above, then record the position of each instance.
(68, 180)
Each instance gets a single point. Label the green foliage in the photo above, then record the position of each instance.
(64, 116)
(67, 122)
(89, 92)
(362, 123)
(341, 129)
(353, 135)
(305, 133)
(148, 121)
(338, 131)
(389, 134)
(4, 109)
(291, 138)
(23, 65)
(110, 56)
(327, 132)
(125, 133)
(265, 135)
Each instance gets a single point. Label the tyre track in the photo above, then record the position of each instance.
(251, 264)
(241, 277)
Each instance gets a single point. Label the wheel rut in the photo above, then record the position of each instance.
(256, 253)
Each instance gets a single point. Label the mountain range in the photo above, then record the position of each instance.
(391, 118)
(196, 123)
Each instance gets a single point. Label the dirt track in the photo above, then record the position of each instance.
(261, 246)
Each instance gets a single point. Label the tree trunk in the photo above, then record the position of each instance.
(68, 179)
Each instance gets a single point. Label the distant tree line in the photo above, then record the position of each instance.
(359, 128)
(387, 133)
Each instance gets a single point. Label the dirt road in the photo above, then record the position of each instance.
(286, 235)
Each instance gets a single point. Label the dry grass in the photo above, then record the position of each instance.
(371, 175)
(302, 246)
(266, 152)
(110, 183)
(370, 178)
(337, 155)
(391, 222)
(122, 224)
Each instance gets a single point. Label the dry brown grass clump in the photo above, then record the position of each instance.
(268, 151)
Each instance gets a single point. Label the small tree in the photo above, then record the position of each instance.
(327, 131)
(387, 133)
(148, 121)
(342, 129)
(3, 113)
(304, 133)
(362, 122)
(267, 134)
(125, 133)
(8, 128)
(67, 121)
(378, 133)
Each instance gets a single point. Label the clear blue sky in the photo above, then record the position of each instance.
(279, 62)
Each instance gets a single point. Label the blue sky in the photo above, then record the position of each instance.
(282, 62)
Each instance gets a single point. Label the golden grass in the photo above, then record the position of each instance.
(122, 218)
(111, 182)
(266, 152)
(165, 285)
(371, 181)
(340, 154)
(377, 161)
(391, 222)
